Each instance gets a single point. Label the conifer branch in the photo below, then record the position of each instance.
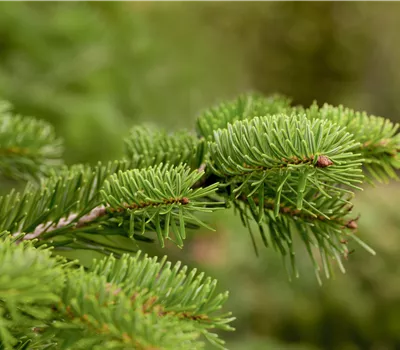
(29, 148)
(327, 233)
(162, 196)
(80, 201)
(150, 147)
(378, 138)
(277, 152)
(245, 106)
(296, 165)
(30, 283)
(133, 302)
(290, 170)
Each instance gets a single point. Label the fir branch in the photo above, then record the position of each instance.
(172, 291)
(132, 302)
(30, 283)
(329, 232)
(378, 138)
(60, 201)
(29, 148)
(280, 152)
(162, 196)
(290, 170)
(98, 315)
(74, 203)
(92, 216)
(147, 147)
(245, 106)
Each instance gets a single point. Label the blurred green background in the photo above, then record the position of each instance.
(95, 69)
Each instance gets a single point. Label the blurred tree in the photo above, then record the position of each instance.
(101, 66)
(296, 48)
(338, 52)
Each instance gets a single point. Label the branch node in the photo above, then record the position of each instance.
(323, 162)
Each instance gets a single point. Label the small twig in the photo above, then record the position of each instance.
(202, 167)
(48, 226)
(94, 214)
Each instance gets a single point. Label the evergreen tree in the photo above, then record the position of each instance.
(291, 170)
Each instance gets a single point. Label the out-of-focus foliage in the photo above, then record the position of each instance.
(93, 69)
(29, 148)
(337, 52)
(358, 310)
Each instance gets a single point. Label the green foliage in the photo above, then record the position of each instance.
(146, 147)
(132, 302)
(105, 66)
(279, 150)
(292, 172)
(55, 208)
(173, 290)
(162, 197)
(243, 107)
(379, 142)
(98, 315)
(29, 148)
(326, 234)
(138, 304)
(30, 283)
(289, 173)
(68, 210)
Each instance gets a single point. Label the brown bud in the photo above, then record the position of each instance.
(323, 162)
(202, 167)
(185, 200)
(352, 224)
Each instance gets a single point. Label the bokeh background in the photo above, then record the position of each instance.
(95, 69)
